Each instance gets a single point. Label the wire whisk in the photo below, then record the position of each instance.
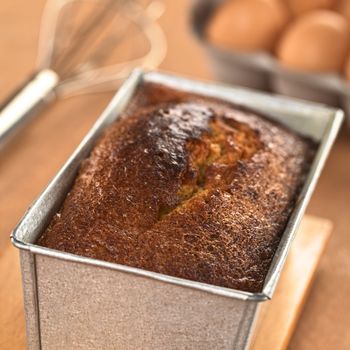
(87, 46)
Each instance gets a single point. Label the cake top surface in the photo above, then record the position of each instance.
(187, 186)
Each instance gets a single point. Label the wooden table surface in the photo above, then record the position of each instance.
(39, 151)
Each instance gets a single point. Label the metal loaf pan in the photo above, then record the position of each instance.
(81, 303)
(261, 70)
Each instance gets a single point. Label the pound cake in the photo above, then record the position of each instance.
(187, 186)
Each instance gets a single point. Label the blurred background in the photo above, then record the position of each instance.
(299, 48)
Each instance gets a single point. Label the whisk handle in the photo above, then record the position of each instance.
(22, 104)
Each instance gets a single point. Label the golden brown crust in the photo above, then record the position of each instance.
(185, 186)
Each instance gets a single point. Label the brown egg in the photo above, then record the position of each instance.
(343, 7)
(317, 41)
(299, 6)
(247, 25)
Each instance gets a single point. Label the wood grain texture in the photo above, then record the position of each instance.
(12, 331)
(278, 318)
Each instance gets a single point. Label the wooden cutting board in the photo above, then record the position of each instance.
(277, 318)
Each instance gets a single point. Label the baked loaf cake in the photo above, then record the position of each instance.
(186, 186)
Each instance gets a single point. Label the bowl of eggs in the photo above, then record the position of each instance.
(299, 48)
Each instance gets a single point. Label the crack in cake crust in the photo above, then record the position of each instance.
(213, 157)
